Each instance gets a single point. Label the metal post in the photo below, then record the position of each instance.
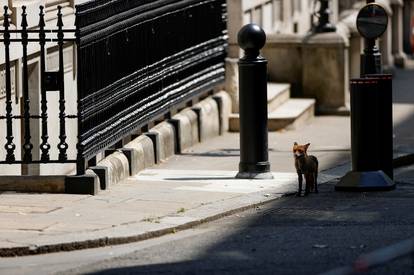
(371, 58)
(45, 146)
(254, 162)
(27, 146)
(324, 24)
(371, 112)
(62, 146)
(9, 146)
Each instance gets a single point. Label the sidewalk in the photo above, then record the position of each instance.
(188, 189)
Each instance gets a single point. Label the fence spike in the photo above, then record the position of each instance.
(41, 17)
(62, 146)
(9, 146)
(59, 14)
(6, 22)
(24, 17)
(44, 146)
(27, 146)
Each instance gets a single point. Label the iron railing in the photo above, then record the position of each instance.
(136, 60)
(49, 81)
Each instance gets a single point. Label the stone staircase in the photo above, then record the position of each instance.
(283, 112)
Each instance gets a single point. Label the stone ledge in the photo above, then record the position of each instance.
(87, 184)
(186, 127)
(165, 140)
(36, 184)
(142, 154)
(224, 103)
(112, 169)
(208, 117)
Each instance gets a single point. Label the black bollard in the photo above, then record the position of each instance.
(371, 113)
(254, 159)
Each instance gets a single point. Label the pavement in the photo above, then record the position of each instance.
(195, 187)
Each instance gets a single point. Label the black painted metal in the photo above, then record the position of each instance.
(48, 81)
(370, 59)
(254, 161)
(371, 135)
(371, 124)
(44, 146)
(324, 24)
(10, 146)
(62, 146)
(138, 59)
(27, 146)
(371, 127)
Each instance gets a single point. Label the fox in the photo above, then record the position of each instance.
(306, 165)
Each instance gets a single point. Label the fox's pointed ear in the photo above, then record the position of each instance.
(307, 145)
(295, 143)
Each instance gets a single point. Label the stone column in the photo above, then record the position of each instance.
(397, 33)
(407, 14)
(234, 24)
(325, 72)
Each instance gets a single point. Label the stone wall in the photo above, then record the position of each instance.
(315, 65)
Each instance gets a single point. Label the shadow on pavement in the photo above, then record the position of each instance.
(309, 235)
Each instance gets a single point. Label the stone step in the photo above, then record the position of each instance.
(290, 115)
(277, 94)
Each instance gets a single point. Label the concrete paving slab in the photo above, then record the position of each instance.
(118, 217)
(24, 210)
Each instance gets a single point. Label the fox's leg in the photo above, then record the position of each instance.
(316, 181)
(307, 184)
(300, 179)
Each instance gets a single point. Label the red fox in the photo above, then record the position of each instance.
(306, 165)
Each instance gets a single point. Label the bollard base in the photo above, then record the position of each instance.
(365, 181)
(255, 176)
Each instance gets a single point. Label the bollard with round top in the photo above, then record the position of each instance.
(254, 159)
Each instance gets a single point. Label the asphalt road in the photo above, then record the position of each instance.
(291, 236)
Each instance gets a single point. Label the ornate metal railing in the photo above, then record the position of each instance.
(49, 81)
(136, 60)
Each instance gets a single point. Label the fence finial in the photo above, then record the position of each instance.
(41, 17)
(24, 17)
(59, 14)
(6, 22)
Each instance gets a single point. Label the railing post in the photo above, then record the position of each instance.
(254, 163)
(44, 146)
(62, 146)
(27, 146)
(10, 146)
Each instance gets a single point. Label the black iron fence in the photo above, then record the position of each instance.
(49, 81)
(135, 61)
